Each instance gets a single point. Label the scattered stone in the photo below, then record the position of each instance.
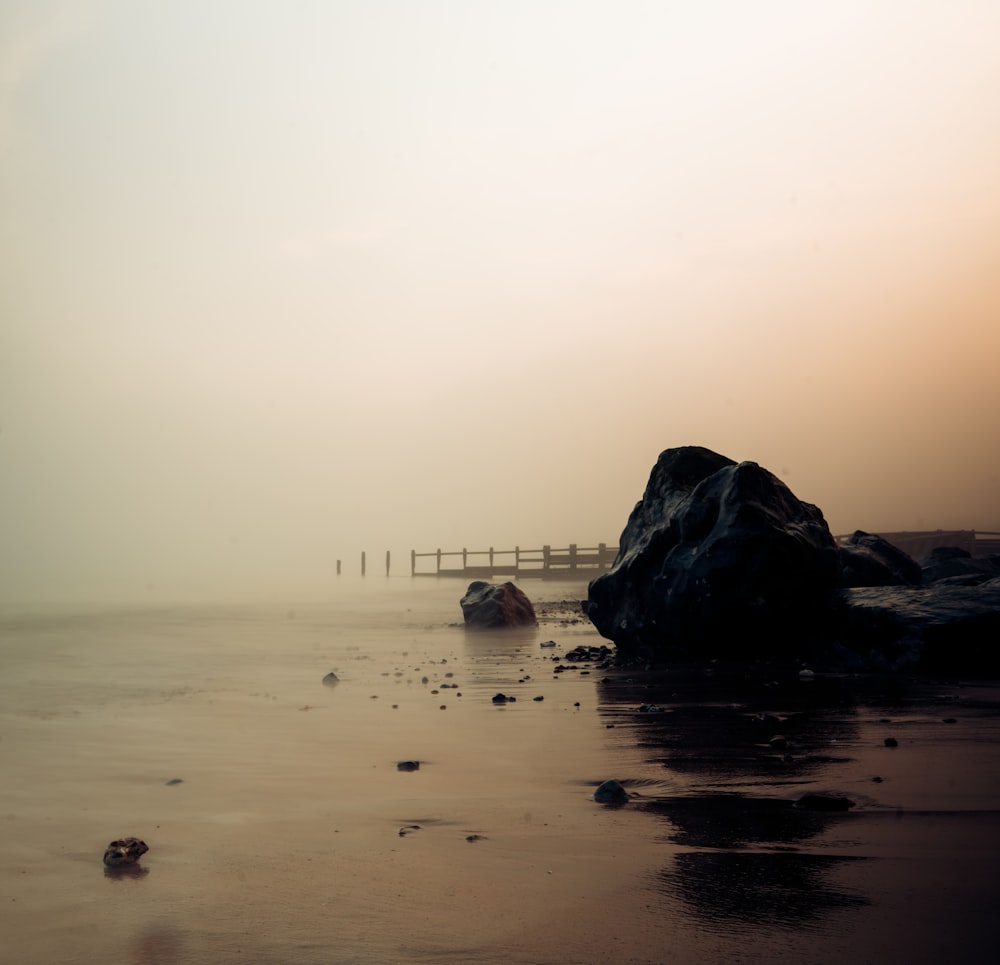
(824, 802)
(408, 766)
(503, 699)
(891, 742)
(331, 679)
(174, 780)
(537, 699)
(611, 792)
(778, 742)
(408, 829)
(547, 643)
(124, 851)
(474, 837)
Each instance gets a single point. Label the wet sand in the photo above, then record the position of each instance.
(282, 842)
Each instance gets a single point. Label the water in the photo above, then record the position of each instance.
(273, 806)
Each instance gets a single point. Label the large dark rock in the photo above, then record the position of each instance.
(932, 629)
(718, 558)
(958, 566)
(490, 605)
(870, 560)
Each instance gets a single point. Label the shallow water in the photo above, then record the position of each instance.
(280, 838)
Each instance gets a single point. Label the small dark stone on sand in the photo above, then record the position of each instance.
(500, 699)
(408, 766)
(330, 679)
(891, 742)
(536, 699)
(124, 851)
(611, 792)
(175, 780)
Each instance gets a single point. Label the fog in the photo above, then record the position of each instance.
(285, 282)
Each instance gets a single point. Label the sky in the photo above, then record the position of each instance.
(282, 282)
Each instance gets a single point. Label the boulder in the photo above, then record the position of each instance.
(492, 605)
(958, 566)
(870, 560)
(718, 558)
(931, 629)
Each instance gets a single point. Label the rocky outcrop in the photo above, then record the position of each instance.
(870, 560)
(931, 629)
(718, 558)
(959, 567)
(494, 605)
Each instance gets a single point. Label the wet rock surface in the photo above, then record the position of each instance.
(715, 555)
(124, 851)
(496, 605)
(720, 560)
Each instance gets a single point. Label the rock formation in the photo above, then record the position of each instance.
(869, 560)
(493, 605)
(718, 558)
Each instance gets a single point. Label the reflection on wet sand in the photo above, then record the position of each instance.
(723, 756)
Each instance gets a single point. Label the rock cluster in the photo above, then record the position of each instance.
(720, 559)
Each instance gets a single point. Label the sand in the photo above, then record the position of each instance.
(280, 840)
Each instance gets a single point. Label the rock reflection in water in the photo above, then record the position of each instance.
(764, 889)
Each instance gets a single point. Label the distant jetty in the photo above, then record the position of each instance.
(546, 563)
(549, 563)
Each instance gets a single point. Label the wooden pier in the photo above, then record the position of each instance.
(545, 563)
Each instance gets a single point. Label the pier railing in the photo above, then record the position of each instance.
(543, 563)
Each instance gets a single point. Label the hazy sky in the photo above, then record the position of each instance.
(285, 281)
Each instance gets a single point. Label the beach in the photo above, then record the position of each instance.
(281, 828)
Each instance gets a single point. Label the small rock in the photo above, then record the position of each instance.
(408, 829)
(611, 792)
(536, 699)
(891, 742)
(408, 766)
(500, 699)
(330, 679)
(124, 851)
(174, 780)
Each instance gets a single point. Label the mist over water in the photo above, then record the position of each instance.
(279, 287)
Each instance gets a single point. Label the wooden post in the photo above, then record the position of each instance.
(413, 562)
(439, 561)
(338, 567)
(546, 553)
(386, 562)
(491, 557)
(362, 562)
(465, 558)
(517, 560)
